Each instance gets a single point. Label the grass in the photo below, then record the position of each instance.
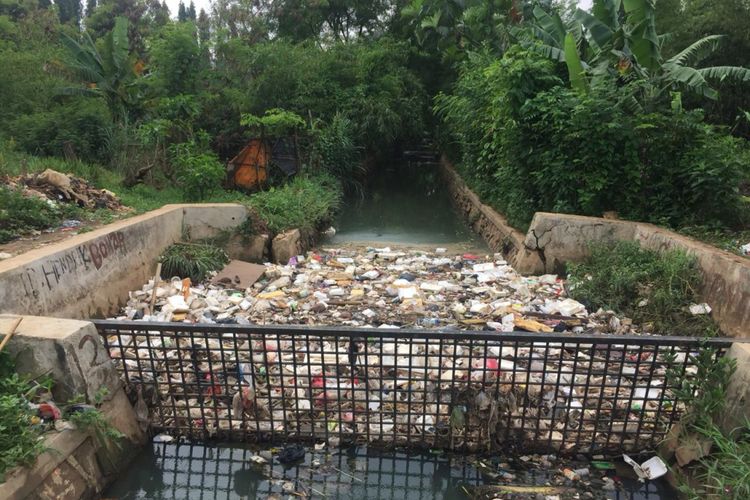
(723, 238)
(647, 286)
(194, 261)
(725, 473)
(20, 215)
(306, 202)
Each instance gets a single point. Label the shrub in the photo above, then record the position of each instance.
(335, 152)
(199, 171)
(304, 203)
(20, 214)
(530, 143)
(648, 286)
(194, 261)
(19, 440)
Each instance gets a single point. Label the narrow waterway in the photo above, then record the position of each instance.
(404, 204)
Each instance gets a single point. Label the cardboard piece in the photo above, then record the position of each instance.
(239, 274)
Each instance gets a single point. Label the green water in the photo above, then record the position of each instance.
(402, 204)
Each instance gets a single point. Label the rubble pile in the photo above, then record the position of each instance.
(64, 188)
(447, 392)
(382, 288)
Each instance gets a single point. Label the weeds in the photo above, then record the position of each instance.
(725, 473)
(192, 260)
(304, 203)
(648, 286)
(19, 438)
(20, 215)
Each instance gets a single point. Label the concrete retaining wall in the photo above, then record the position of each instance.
(77, 465)
(554, 239)
(89, 275)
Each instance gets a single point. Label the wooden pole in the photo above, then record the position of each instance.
(10, 333)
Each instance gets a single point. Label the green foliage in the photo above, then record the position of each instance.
(108, 72)
(648, 286)
(192, 260)
(94, 422)
(725, 473)
(199, 171)
(529, 143)
(618, 40)
(176, 58)
(369, 82)
(19, 440)
(335, 152)
(274, 123)
(20, 214)
(305, 203)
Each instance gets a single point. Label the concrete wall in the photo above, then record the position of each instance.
(90, 274)
(554, 239)
(77, 465)
(499, 235)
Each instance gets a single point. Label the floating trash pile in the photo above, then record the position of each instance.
(458, 390)
(382, 288)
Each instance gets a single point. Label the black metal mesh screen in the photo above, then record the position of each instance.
(470, 391)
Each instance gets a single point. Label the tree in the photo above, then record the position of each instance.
(107, 11)
(191, 11)
(686, 20)
(90, 7)
(176, 59)
(618, 39)
(204, 29)
(109, 74)
(69, 11)
(340, 20)
(245, 19)
(181, 12)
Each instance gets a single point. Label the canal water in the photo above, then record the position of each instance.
(403, 204)
(228, 471)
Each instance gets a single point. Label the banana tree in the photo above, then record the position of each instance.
(108, 73)
(618, 38)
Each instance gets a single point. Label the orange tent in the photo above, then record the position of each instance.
(250, 166)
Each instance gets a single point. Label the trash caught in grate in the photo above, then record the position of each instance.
(469, 391)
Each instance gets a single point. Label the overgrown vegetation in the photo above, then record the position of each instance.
(650, 287)
(19, 437)
(725, 472)
(192, 260)
(20, 214)
(305, 203)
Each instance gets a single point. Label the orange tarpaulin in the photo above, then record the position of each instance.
(250, 165)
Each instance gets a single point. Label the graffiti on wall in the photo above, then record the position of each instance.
(93, 254)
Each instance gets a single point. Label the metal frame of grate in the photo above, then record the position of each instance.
(461, 390)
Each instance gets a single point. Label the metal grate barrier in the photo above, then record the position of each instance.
(460, 390)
